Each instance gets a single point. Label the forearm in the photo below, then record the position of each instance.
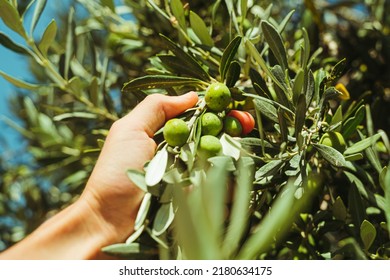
(74, 233)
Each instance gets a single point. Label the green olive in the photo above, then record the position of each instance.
(176, 132)
(217, 97)
(211, 124)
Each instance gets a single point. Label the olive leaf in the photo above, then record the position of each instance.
(156, 167)
(138, 178)
(362, 144)
(233, 73)
(300, 114)
(159, 81)
(11, 18)
(39, 7)
(230, 146)
(367, 234)
(134, 236)
(298, 85)
(274, 40)
(331, 155)
(9, 44)
(337, 70)
(228, 56)
(350, 124)
(258, 83)
(18, 83)
(48, 37)
(143, 211)
(135, 250)
(269, 169)
(163, 219)
(185, 58)
(309, 85)
(200, 29)
(175, 65)
(178, 12)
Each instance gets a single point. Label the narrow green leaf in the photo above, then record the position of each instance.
(134, 236)
(266, 109)
(156, 167)
(185, 58)
(260, 60)
(69, 42)
(18, 83)
(367, 234)
(300, 114)
(350, 125)
(233, 73)
(331, 155)
(306, 47)
(387, 198)
(9, 44)
(298, 85)
(362, 144)
(282, 93)
(48, 37)
(39, 7)
(159, 81)
(353, 157)
(143, 211)
(228, 56)
(269, 169)
(258, 80)
(80, 115)
(164, 218)
(135, 250)
(382, 178)
(10, 16)
(337, 70)
(178, 12)
(200, 29)
(283, 126)
(275, 42)
(309, 85)
(243, 9)
(176, 66)
(138, 178)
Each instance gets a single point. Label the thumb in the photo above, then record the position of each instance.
(151, 114)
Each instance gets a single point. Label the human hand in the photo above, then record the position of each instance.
(109, 192)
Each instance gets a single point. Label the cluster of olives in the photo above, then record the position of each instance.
(214, 121)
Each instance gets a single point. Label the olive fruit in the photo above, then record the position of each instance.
(217, 97)
(211, 124)
(209, 146)
(245, 118)
(333, 139)
(232, 126)
(176, 132)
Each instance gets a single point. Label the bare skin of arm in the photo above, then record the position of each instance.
(105, 212)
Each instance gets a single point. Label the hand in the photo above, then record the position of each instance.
(129, 145)
(105, 212)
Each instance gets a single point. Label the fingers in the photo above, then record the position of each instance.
(151, 114)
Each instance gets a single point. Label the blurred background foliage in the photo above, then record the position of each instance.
(80, 63)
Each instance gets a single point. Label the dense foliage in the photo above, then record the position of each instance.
(309, 182)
